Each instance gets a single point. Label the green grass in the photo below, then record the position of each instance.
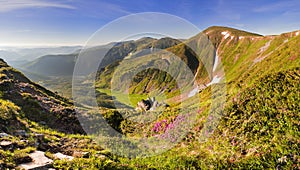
(130, 100)
(260, 127)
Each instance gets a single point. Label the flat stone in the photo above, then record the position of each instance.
(63, 156)
(25, 141)
(39, 161)
(85, 154)
(5, 143)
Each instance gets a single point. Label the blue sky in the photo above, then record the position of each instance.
(72, 22)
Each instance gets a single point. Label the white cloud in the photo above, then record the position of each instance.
(11, 5)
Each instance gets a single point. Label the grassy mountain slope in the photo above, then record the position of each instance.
(258, 129)
(33, 118)
(260, 124)
(37, 103)
(246, 58)
(150, 80)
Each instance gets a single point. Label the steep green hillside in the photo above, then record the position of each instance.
(259, 130)
(38, 103)
(247, 57)
(260, 124)
(35, 119)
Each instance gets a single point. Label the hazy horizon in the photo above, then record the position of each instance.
(71, 23)
(29, 46)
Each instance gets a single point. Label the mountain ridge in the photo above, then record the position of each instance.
(217, 35)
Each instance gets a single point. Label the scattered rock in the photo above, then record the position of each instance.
(42, 123)
(279, 167)
(86, 154)
(101, 157)
(63, 156)
(39, 136)
(79, 154)
(5, 144)
(24, 141)
(21, 133)
(2, 135)
(282, 159)
(149, 104)
(144, 105)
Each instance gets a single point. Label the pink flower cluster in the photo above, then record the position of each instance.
(160, 126)
(173, 130)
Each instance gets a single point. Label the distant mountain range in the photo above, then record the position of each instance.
(17, 56)
(63, 64)
(232, 47)
(52, 65)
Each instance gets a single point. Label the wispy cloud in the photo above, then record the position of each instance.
(114, 8)
(282, 5)
(11, 5)
(102, 9)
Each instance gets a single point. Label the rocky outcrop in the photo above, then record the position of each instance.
(149, 104)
